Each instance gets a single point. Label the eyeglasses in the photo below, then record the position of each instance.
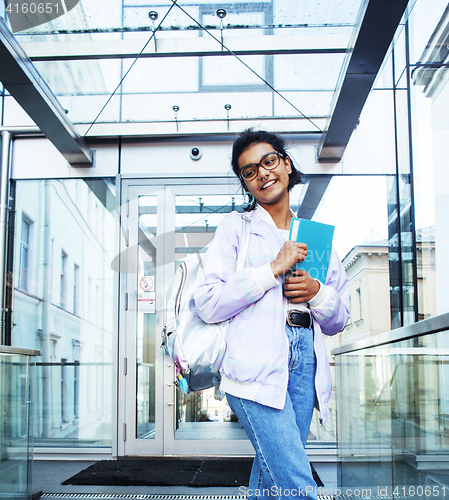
(268, 161)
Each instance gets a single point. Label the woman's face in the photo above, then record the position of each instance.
(269, 186)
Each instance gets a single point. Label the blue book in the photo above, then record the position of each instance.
(318, 238)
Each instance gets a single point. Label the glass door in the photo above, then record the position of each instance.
(140, 405)
(161, 225)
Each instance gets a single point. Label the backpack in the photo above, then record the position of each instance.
(196, 348)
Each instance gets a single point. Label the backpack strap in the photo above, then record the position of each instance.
(244, 244)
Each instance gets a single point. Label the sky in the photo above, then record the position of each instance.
(357, 207)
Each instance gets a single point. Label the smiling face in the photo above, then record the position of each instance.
(269, 187)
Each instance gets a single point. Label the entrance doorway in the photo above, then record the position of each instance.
(162, 223)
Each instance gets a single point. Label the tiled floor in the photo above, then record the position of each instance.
(48, 476)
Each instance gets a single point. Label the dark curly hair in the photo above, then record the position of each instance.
(248, 138)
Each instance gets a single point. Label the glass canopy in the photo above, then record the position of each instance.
(194, 66)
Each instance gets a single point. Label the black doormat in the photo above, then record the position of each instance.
(197, 472)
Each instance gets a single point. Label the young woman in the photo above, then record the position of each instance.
(275, 366)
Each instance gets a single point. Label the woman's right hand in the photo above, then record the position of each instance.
(290, 253)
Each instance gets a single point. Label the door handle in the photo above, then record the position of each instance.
(171, 385)
(170, 404)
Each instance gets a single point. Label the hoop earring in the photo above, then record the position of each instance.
(252, 200)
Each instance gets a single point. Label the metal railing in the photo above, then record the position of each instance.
(393, 412)
(17, 369)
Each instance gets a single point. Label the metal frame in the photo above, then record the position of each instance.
(201, 127)
(425, 327)
(127, 444)
(25, 84)
(5, 173)
(5, 349)
(316, 186)
(185, 47)
(377, 26)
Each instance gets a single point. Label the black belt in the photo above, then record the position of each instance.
(297, 318)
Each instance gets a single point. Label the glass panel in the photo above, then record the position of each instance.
(147, 337)
(83, 86)
(393, 406)
(360, 240)
(407, 248)
(393, 78)
(2, 114)
(224, 72)
(67, 310)
(16, 440)
(401, 203)
(364, 424)
(429, 126)
(420, 415)
(305, 72)
(394, 249)
(198, 414)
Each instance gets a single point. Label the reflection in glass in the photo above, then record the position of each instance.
(146, 318)
(65, 310)
(393, 406)
(364, 420)
(420, 412)
(16, 438)
(404, 281)
(200, 416)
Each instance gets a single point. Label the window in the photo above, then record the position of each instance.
(97, 306)
(24, 262)
(64, 411)
(76, 271)
(63, 391)
(90, 300)
(98, 218)
(76, 349)
(63, 280)
(356, 304)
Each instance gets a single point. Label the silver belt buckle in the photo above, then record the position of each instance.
(289, 319)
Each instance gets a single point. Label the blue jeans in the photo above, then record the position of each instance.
(281, 466)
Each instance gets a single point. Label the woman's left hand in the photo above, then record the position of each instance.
(300, 286)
